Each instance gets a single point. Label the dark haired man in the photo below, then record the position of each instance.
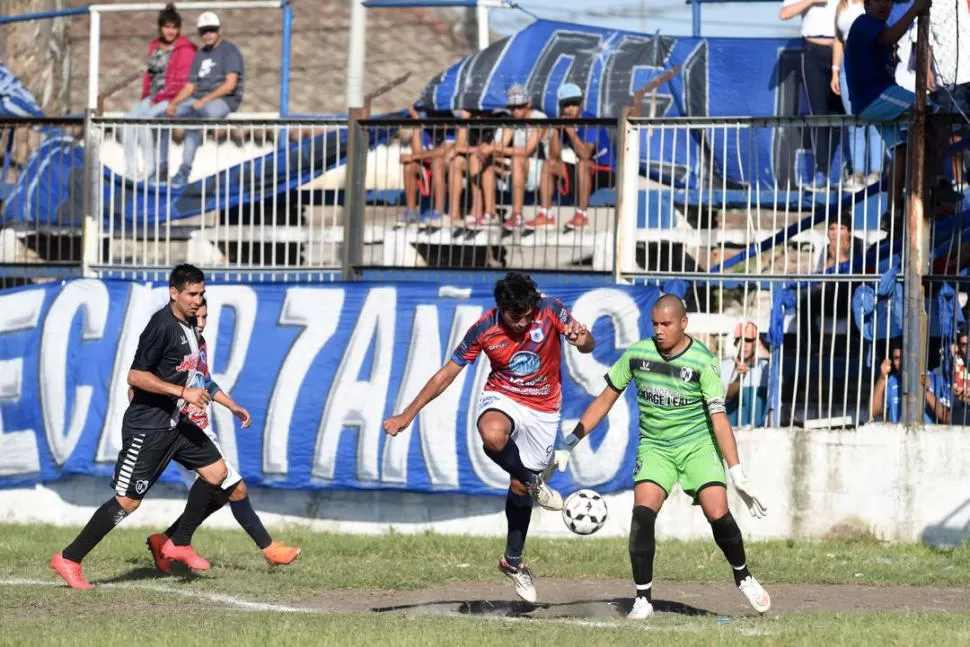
(154, 431)
(520, 406)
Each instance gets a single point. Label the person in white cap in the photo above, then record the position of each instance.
(215, 89)
(591, 165)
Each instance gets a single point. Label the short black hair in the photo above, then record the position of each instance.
(183, 275)
(169, 16)
(517, 293)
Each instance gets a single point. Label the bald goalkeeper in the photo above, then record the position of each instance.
(685, 436)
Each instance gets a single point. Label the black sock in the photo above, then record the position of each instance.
(201, 495)
(728, 538)
(643, 545)
(103, 521)
(509, 460)
(518, 513)
(246, 516)
(214, 506)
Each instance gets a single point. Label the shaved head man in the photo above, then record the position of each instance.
(670, 324)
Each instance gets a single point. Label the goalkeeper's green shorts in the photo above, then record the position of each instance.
(695, 465)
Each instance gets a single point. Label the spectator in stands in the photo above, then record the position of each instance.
(169, 61)
(469, 140)
(215, 88)
(865, 147)
(948, 392)
(818, 38)
(875, 96)
(426, 167)
(843, 253)
(591, 165)
(885, 403)
(512, 151)
(745, 378)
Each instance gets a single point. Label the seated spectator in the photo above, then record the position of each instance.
(886, 401)
(875, 96)
(744, 376)
(169, 61)
(426, 167)
(512, 153)
(468, 156)
(215, 88)
(593, 168)
(948, 392)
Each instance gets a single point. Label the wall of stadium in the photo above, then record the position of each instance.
(319, 367)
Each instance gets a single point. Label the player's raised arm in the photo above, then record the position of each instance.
(431, 390)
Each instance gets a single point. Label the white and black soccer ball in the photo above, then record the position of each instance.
(584, 512)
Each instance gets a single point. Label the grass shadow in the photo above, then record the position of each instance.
(513, 609)
(149, 573)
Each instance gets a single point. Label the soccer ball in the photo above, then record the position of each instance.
(584, 512)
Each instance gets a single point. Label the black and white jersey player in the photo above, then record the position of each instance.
(154, 432)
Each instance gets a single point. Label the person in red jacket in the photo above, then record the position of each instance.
(170, 58)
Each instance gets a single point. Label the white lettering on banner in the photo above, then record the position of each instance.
(485, 468)
(590, 467)
(18, 449)
(360, 404)
(436, 423)
(242, 299)
(317, 310)
(92, 296)
(143, 302)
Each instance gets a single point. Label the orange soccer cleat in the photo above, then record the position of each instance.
(155, 543)
(279, 554)
(185, 555)
(70, 571)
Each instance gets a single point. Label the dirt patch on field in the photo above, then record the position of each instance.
(611, 598)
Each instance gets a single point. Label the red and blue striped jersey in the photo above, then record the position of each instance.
(526, 367)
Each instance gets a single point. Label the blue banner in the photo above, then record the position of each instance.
(718, 77)
(319, 368)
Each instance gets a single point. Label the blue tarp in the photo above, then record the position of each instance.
(16, 101)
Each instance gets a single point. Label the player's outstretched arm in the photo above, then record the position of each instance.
(580, 336)
(729, 449)
(431, 390)
(593, 415)
(237, 409)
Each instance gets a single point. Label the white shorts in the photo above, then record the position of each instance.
(534, 432)
(233, 476)
(531, 177)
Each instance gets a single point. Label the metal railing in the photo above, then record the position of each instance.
(489, 192)
(41, 199)
(257, 197)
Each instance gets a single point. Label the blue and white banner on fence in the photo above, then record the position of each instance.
(318, 367)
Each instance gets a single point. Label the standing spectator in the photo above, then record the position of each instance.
(594, 163)
(948, 392)
(818, 38)
(865, 150)
(745, 378)
(169, 61)
(215, 87)
(514, 147)
(885, 403)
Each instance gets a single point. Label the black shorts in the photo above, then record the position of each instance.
(144, 456)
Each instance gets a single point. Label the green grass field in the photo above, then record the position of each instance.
(326, 597)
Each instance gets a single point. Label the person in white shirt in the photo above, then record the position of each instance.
(744, 376)
(818, 37)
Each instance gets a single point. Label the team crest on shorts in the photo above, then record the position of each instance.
(536, 335)
(141, 486)
(686, 374)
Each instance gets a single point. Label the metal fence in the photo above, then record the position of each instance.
(39, 232)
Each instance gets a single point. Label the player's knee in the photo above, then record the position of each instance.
(127, 504)
(519, 494)
(725, 528)
(215, 474)
(642, 530)
(493, 427)
(239, 492)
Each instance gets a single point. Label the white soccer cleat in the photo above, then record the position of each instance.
(756, 594)
(521, 577)
(544, 495)
(642, 609)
